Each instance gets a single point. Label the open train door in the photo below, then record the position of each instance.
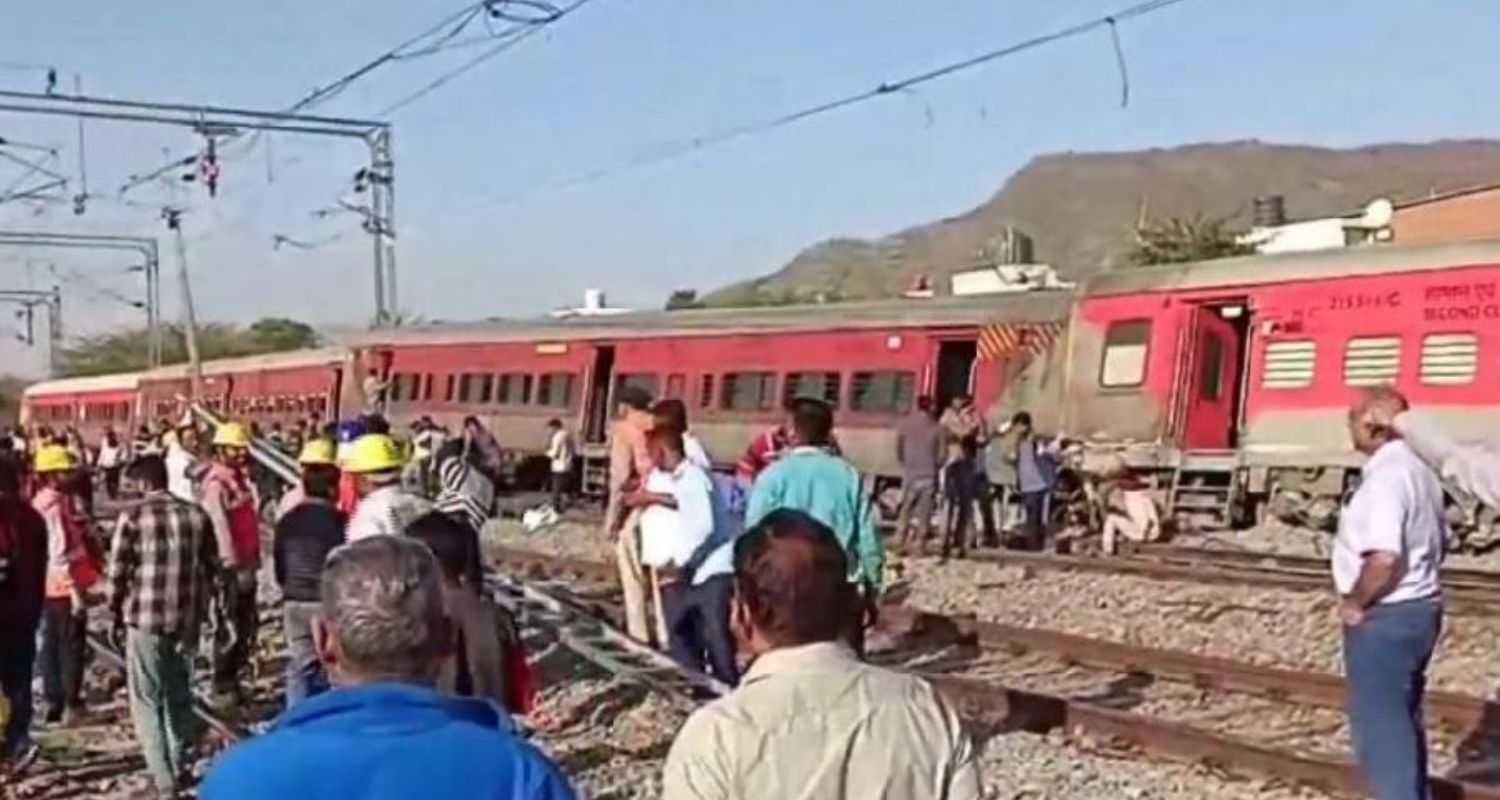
(1210, 379)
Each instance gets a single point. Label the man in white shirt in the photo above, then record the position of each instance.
(676, 518)
(385, 507)
(180, 462)
(560, 454)
(1386, 561)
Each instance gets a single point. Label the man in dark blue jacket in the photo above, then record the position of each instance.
(383, 733)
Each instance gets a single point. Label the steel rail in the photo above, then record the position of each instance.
(1165, 739)
(1462, 598)
(1176, 741)
(1321, 689)
(201, 708)
(1452, 576)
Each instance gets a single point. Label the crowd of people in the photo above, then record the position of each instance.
(402, 676)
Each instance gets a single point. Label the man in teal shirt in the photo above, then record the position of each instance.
(827, 488)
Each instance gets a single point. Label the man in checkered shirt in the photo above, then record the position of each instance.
(161, 561)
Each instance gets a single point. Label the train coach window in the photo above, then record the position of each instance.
(706, 391)
(468, 389)
(817, 385)
(555, 390)
(748, 391)
(1125, 346)
(676, 386)
(1372, 360)
(398, 387)
(1449, 359)
(882, 392)
(1289, 365)
(426, 387)
(649, 381)
(452, 390)
(514, 389)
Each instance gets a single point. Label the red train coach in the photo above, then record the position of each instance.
(91, 405)
(733, 367)
(1231, 378)
(277, 387)
(269, 388)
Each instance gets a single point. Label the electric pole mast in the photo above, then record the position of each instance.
(173, 217)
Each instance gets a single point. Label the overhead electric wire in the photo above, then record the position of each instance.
(322, 94)
(510, 37)
(671, 151)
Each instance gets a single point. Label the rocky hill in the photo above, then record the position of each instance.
(1081, 209)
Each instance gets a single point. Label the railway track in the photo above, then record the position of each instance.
(996, 706)
(1456, 577)
(1465, 591)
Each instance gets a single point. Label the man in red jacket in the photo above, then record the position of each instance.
(23, 577)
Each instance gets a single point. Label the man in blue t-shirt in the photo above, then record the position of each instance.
(384, 733)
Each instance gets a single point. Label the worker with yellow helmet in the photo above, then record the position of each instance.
(72, 570)
(308, 527)
(317, 455)
(385, 506)
(230, 499)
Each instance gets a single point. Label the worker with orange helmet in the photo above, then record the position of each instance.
(230, 500)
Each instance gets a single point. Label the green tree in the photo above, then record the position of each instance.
(1178, 241)
(125, 350)
(684, 298)
(274, 334)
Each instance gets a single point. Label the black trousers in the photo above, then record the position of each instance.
(698, 626)
(61, 659)
(17, 661)
(558, 482)
(1035, 505)
(235, 624)
(964, 487)
(112, 482)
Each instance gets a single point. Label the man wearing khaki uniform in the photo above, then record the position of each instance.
(629, 464)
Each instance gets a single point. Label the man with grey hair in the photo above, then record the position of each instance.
(384, 733)
(1473, 467)
(1386, 561)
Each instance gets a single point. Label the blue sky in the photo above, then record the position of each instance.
(481, 233)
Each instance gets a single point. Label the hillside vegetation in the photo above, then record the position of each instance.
(1082, 209)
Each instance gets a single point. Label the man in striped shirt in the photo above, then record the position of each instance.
(161, 561)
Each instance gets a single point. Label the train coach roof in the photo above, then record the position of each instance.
(1039, 306)
(218, 366)
(127, 381)
(1259, 270)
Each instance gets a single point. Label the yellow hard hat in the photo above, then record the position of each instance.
(231, 434)
(316, 451)
(52, 458)
(374, 452)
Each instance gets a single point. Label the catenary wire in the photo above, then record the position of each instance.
(674, 150)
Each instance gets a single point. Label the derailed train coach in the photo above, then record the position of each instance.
(1225, 382)
(1229, 381)
(265, 389)
(733, 368)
